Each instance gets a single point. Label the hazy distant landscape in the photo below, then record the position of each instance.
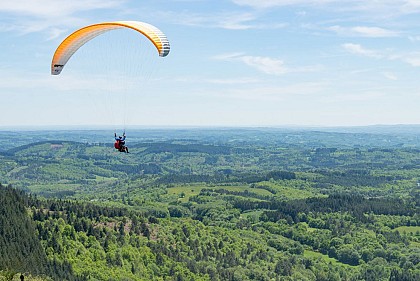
(391, 135)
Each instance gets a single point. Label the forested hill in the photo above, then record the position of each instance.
(241, 205)
(31, 228)
(20, 248)
(19, 245)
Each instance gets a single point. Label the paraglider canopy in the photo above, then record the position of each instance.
(78, 38)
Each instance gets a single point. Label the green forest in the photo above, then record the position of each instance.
(212, 204)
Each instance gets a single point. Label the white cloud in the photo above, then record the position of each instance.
(363, 31)
(235, 21)
(236, 81)
(54, 8)
(359, 50)
(224, 20)
(27, 16)
(268, 65)
(221, 81)
(264, 64)
(368, 31)
(55, 33)
(410, 5)
(372, 6)
(273, 93)
(390, 76)
(362, 96)
(411, 58)
(261, 4)
(414, 38)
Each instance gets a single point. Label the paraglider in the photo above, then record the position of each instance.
(70, 45)
(119, 143)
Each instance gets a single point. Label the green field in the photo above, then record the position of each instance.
(326, 258)
(184, 192)
(409, 229)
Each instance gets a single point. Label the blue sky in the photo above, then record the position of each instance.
(232, 63)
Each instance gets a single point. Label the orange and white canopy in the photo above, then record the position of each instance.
(78, 38)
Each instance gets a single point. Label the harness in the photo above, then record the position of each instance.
(117, 144)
